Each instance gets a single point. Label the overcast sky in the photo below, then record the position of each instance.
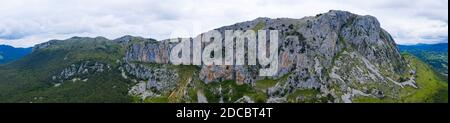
(24, 23)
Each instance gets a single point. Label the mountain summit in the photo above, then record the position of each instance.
(336, 56)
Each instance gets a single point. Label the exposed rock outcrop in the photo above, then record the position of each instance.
(80, 71)
(330, 52)
(152, 81)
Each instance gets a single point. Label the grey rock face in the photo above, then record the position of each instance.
(152, 81)
(276, 100)
(44, 45)
(149, 52)
(201, 97)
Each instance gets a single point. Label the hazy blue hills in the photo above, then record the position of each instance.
(9, 53)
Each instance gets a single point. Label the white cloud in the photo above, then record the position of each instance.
(24, 23)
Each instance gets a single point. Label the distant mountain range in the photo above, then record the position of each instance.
(9, 53)
(434, 54)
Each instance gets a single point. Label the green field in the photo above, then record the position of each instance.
(431, 87)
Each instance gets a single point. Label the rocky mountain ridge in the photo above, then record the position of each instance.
(336, 56)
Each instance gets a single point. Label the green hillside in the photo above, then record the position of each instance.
(431, 87)
(436, 55)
